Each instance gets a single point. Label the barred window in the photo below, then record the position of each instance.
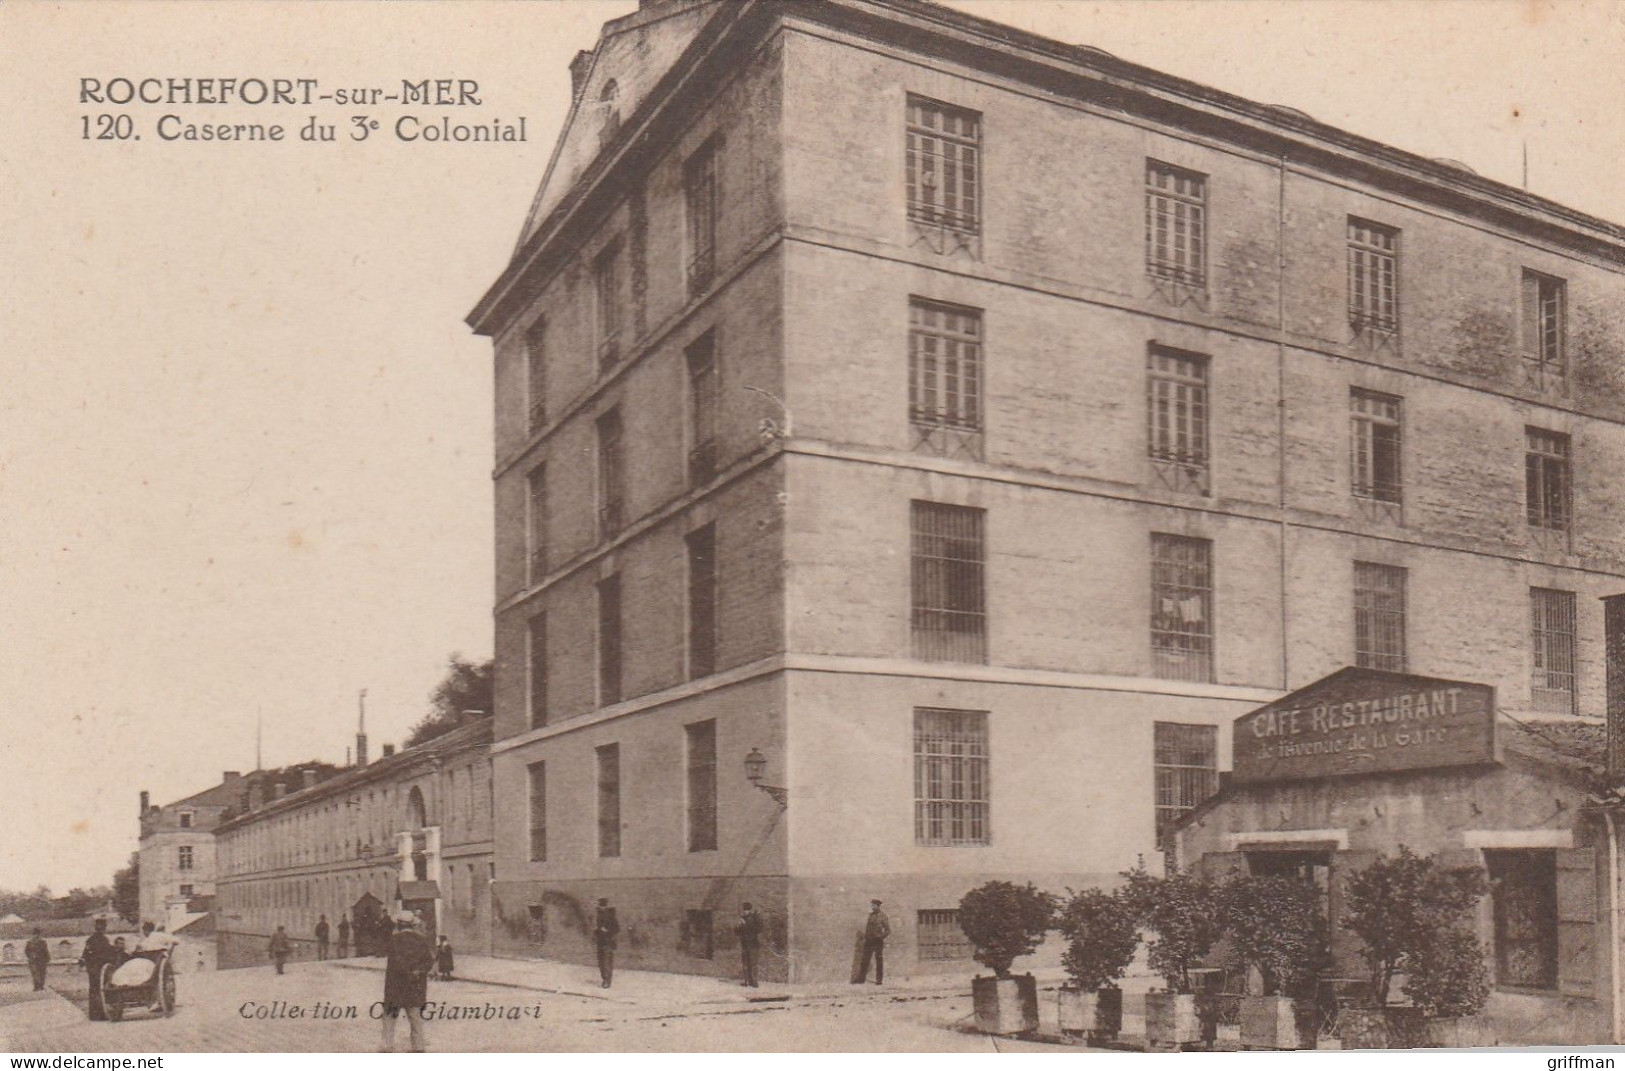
(1186, 768)
(939, 936)
(700, 200)
(1177, 418)
(611, 475)
(702, 785)
(536, 523)
(184, 857)
(1546, 471)
(1181, 607)
(609, 640)
(1379, 616)
(538, 811)
(704, 391)
(950, 777)
(536, 375)
(607, 301)
(949, 618)
(943, 156)
(1545, 363)
(1175, 224)
(536, 642)
(945, 365)
(609, 800)
(1373, 276)
(1376, 472)
(1552, 624)
(702, 601)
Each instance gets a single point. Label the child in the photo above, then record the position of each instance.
(442, 958)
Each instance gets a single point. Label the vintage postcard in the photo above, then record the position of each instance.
(812, 525)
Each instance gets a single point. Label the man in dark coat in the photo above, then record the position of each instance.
(321, 937)
(875, 931)
(38, 955)
(279, 948)
(406, 981)
(97, 954)
(344, 936)
(749, 929)
(604, 929)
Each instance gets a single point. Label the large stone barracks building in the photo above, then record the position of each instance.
(967, 427)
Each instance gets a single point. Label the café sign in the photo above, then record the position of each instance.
(1359, 721)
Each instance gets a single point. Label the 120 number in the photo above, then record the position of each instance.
(107, 127)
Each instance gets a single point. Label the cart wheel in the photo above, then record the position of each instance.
(114, 1008)
(166, 990)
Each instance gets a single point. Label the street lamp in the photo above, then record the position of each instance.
(755, 764)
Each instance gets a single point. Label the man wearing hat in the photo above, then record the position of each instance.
(98, 952)
(38, 955)
(604, 928)
(749, 929)
(875, 932)
(406, 980)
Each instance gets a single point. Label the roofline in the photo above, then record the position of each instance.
(1275, 129)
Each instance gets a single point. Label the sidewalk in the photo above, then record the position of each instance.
(38, 1012)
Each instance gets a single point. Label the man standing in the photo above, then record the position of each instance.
(321, 937)
(38, 954)
(749, 929)
(280, 947)
(875, 932)
(406, 981)
(604, 929)
(98, 952)
(344, 936)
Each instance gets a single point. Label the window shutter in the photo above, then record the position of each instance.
(1531, 315)
(1346, 948)
(1576, 921)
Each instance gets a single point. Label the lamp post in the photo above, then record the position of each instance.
(755, 764)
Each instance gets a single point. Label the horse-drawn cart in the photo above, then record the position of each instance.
(145, 980)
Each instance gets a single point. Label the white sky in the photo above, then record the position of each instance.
(245, 436)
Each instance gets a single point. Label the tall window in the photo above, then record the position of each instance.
(1177, 418)
(1552, 624)
(704, 391)
(184, 857)
(536, 657)
(611, 475)
(702, 785)
(1379, 616)
(700, 199)
(538, 811)
(1376, 474)
(1373, 278)
(607, 301)
(951, 798)
(1175, 225)
(609, 640)
(702, 601)
(1546, 473)
(186, 819)
(1186, 767)
(949, 601)
(1545, 363)
(536, 523)
(536, 374)
(1523, 893)
(943, 159)
(609, 800)
(1181, 607)
(945, 377)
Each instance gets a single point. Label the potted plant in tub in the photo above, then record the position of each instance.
(1102, 933)
(1004, 921)
(1448, 980)
(1275, 926)
(1181, 910)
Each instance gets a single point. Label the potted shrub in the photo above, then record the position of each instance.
(1180, 909)
(1396, 906)
(1274, 925)
(1447, 979)
(1102, 933)
(1004, 921)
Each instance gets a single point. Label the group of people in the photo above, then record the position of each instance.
(280, 948)
(100, 953)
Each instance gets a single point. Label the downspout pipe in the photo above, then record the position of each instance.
(1613, 927)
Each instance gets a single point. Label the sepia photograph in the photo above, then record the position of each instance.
(783, 526)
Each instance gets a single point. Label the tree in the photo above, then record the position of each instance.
(1274, 924)
(1182, 910)
(1004, 921)
(1102, 933)
(127, 890)
(1398, 906)
(467, 686)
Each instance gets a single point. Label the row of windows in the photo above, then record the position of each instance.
(700, 775)
(943, 189)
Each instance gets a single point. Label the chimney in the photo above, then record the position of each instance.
(256, 794)
(361, 731)
(229, 776)
(146, 800)
(281, 789)
(578, 72)
(310, 778)
(389, 749)
(472, 716)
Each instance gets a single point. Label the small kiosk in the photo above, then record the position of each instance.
(1363, 761)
